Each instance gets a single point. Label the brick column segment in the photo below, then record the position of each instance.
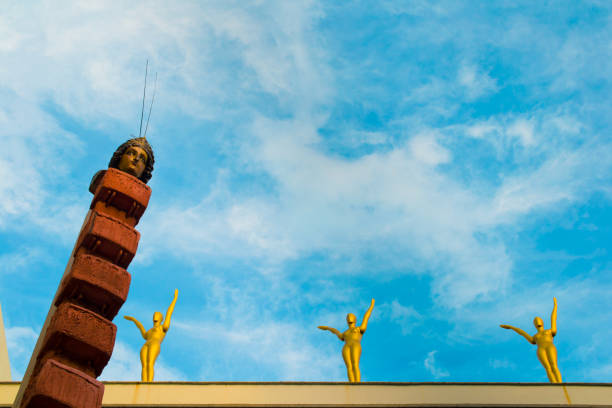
(77, 339)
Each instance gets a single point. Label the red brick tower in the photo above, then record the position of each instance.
(77, 339)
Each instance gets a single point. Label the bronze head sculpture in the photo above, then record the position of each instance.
(134, 157)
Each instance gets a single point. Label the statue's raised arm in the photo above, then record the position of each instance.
(166, 325)
(553, 319)
(366, 317)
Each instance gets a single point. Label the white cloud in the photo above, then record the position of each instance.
(568, 176)
(527, 139)
(482, 129)
(76, 45)
(336, 204)
(11, 39)
(278, 349)
(505, 132)
(322, 202)
(501, 363)
(407, 317)
(359, 138)
(318, 202)
(523, 130)
(31, 166)
(18, 261)
(475, 82)
(20, 342)
(426, 149)
(218, 228)
(433, 368)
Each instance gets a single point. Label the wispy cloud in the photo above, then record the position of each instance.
(407, 317)
(433, 367)
(20, 342)
(501, 363)
(279, 350)
(475, 82)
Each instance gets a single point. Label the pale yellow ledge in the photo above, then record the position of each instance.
(192, 394)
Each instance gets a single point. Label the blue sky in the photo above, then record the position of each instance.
(450, 159)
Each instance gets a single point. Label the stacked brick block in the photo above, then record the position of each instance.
(77, 339)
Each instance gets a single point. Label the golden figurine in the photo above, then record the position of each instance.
(547, 353)
(154, 337)
(351, 351)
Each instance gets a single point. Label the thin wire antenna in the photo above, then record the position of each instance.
(151, 106)
(144, 93)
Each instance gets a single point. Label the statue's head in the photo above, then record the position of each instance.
(134, 157)
(538, 323)
(157, 318)
(350, 318)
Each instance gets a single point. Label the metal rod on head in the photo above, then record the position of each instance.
(151, 107)
(144, 92)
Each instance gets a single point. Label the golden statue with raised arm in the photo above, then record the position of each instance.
(351, 351)
(154, 337)
(547, 353)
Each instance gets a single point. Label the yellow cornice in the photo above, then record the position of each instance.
(193, 394)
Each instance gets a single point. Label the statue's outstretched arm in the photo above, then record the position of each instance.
(143, 332)
(364, 325)
(519, 331)
(166, 324)
(553, 319)
(331, 329)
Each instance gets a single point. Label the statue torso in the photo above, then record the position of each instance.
(352, 335)
(543, 338)
(155, 334)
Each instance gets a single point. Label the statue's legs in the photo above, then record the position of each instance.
(151, 357)
(143, 361)
(346, 355)
(543, 357)
(355, 356)
(551, 353)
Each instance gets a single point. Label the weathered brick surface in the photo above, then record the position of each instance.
(121, 195)
(59, 386)
(109, 238)
(81, 336)
(96, 284)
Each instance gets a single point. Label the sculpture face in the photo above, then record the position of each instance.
(157, 318)
(538, 323)
(350, 318)
(133, 161)
(132, 156)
